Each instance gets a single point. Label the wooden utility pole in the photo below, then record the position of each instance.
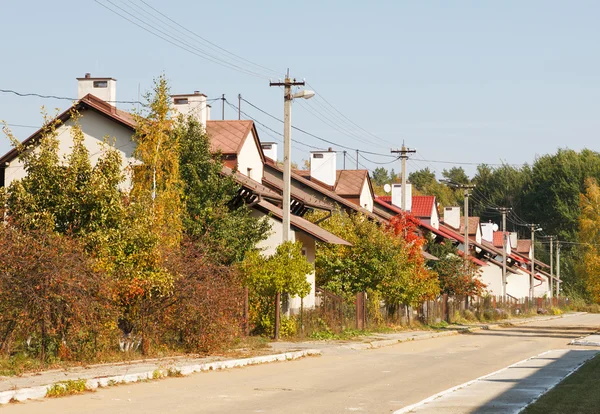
(403, 157)
(344, 159)
(239, 106)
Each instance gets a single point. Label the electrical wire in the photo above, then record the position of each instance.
(64, 98)
(177, 42)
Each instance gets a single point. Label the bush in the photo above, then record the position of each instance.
(53, 302)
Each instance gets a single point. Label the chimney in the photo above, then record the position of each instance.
(487, 232)
(323, 166)
(397, 196)
(452, 217)
(102, 88)
(270, 150)
(193, 104)
(512, 236)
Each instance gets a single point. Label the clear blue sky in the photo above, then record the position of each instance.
(464, 81)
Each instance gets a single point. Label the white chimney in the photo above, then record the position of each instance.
(103, 88)
(323, 166)
(513, 239)
(270, 150)
(487, 232)
(397, 196)
(193, 104)
(452, 217)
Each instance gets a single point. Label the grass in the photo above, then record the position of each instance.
(69, 387)
(578, 393)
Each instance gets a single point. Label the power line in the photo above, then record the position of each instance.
(64, 98)
(178, 42)
(378, 163)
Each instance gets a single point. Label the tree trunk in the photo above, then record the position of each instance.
(277, 316)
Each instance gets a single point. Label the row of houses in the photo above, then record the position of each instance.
(253, 164)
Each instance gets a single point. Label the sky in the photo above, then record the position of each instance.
(462, 82)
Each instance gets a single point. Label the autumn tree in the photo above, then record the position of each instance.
(422, 284)
(268, 277)
(589, 234)
(227, 232)
(457, 277)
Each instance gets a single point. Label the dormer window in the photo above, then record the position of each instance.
(317, 155)
(101, 84)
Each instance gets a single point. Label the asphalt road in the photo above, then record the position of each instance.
(342, 380)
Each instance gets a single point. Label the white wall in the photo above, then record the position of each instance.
(435, 217)
(518, 285)
(94, 127)
(308, 302)
(543, 289)
(249, 157)
(491, 275)
(269, 246)
(323, 166)
(366, 199)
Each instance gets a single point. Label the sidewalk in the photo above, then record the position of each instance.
(34, 385)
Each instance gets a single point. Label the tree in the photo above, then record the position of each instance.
(227, 232)
(456, 175)
(422, 284)
(589, 234)
(156, 179)
(268, 277)
(422, 179)
(456, 277)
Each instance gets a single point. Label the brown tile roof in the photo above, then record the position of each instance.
(254, 186)
(350, 182)
(473, 224)
(228, 137)
(297, 194)
(303, 225)
(327, 193)
(523, 246)
(87, 102)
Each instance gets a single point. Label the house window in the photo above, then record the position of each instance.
(267, 146)
(100, 84)
(181, 101)
(317, 155)
(249, 173)
(304, 251)
(2, 176)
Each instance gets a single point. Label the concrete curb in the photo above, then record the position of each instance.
(93, 383)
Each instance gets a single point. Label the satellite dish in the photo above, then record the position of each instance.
(495, 227)
(387, 188)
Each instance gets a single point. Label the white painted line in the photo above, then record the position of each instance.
(409, 408)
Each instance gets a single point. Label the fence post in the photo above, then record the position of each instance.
(360, 310)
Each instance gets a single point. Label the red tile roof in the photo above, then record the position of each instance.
(498, 239)
(350, 182)
(228, 137)
(422, 206)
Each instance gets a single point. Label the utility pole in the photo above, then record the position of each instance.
(344, 159)
(357, 159)
(551, 265)
(503, 210)
(403, 157)
(532, 275)
(557, 268)
(287, 164)
(223, 107)
(239, 106)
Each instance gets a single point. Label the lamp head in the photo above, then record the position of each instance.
(304, 93)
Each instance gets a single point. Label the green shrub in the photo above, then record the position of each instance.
(68, 387)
